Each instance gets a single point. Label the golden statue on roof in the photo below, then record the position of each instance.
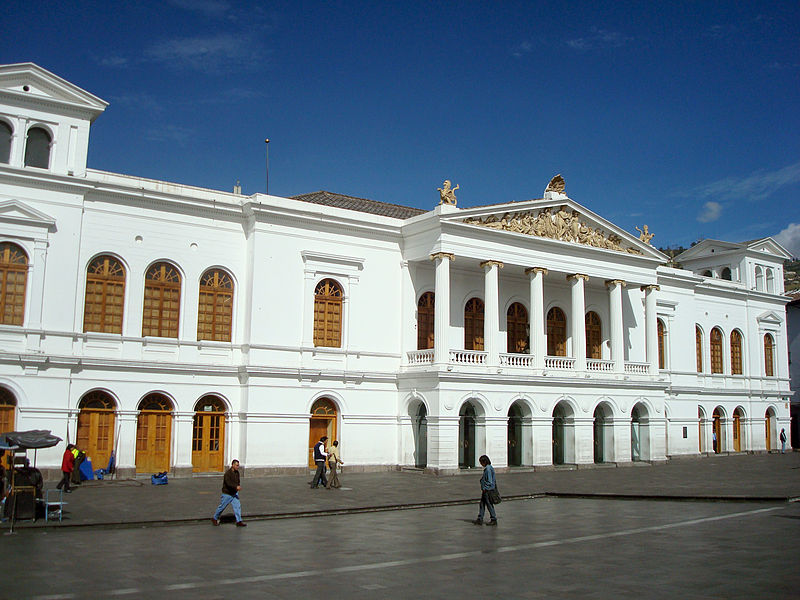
(446, 194)
(557, 184)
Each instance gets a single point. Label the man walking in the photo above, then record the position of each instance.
(230, 495)
(67, 463)
(333, 462)
(320, 456)
(783, 441)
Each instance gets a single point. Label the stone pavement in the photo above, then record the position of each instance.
(132, 502)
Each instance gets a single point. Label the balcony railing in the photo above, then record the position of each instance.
(637, 368)
(563, 363)
(467, 357)
(420, 357)
(593, 364)
(516, 360)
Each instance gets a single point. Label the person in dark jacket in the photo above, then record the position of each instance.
(320, 456)
(488, 482)
(80, 456)
(67, 464)
(230, 495)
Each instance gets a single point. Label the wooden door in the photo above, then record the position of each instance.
(153, 436)
(318, 428)
(208, 442)
(768, 432)
(737, 433)
(95, 435)
(323, 422)
(6, 425)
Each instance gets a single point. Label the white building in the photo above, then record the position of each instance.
(186, 327)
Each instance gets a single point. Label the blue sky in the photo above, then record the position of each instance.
(684, 116)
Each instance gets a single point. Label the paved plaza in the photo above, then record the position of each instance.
(720, 527)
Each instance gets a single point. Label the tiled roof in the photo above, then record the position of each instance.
(364, 205)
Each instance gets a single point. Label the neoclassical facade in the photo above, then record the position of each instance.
(183, 327)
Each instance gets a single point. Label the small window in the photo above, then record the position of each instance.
(5, 142)
(770, 282)
(13, 280)
(661, 345)
(736, 352)
(698, 345)
(759, 279)
(328, 314)
(425, 320)
(726, 274)
(769, 350)
(707, 273)
(716, 350)
(37, 148)
(473, 324)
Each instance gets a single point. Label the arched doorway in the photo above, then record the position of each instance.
(208, 435)
(603, 434)
(563, 434)
(96, 425)
(323, 422)
(514, 435)
(717, 432)
(419, 424)
(467, 438)
(737, 429)
(640, 433)
(8, 407)
(153, 434)
(701, 433)
(770, 432)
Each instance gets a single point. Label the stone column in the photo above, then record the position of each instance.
(441, 316)
(496, 428)
(443, 443)
(651, 327)
(615, 310)
(578, 318)
(491, 316)
(542, 440)
(182, 444)
(536, 318)
(126, 446)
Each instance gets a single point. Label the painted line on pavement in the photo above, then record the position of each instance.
(427, 559)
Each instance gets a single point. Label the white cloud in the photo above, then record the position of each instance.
(711, 212)
(757, 186)
(522, 49)
(599, 38)
(223, 51)
(211, 8)
(113, 61)
(789, 238)
(171, 134)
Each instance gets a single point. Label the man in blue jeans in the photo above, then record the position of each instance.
(230, 495)
(320, 456)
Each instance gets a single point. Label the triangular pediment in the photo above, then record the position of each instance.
(563, 221)
(769, 246)
(29, 82)
(14, 211)
(707, 248)
(770, 318)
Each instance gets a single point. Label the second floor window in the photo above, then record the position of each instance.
(698, 344)
(328, 314)
(556, 332)
(5, 142)
(662, 363)
(517, 329)
(473, 324)
(425, 315)
(769, 350)
(594, 335)
(105, 295)
(215, 309)
(13, 280)
(162, 301)
(716, 350)
(37, 148)
(736, 352)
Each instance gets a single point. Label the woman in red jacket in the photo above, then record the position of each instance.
(67, 463)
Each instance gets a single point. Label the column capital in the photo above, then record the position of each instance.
(436, 255)
(621, 282)
(577, 276)
(492, 263)
(535, 270)
(650, 288)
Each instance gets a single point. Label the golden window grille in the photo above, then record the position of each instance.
(13, 282)
(736, 353)
(716, 350)
(328, 314)
(162, 299)
(215, 309)
(105, 295)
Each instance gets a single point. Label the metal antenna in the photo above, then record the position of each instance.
(266, 141)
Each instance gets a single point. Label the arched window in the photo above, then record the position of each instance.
(662, 355)
(726, 273)
(162, 301)
(5, 142)
(594, 335)
(736, 352)
(13, 280)
(769, 351)
(105, 295)
(473, 324)
(770, 282)
(215, 307)
(517, 329)
(698, 344)
(8, 405)
(759, 279)
(556, 332)
(707, 273)
(328, 314)
(716, 350)
(37, 148)
(425, 325)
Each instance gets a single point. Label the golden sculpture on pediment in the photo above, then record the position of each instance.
(645, 235)
(557, 184)
(560, 225)
(446, 194)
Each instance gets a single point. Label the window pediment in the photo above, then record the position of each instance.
(19, 213)
(769, 318)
